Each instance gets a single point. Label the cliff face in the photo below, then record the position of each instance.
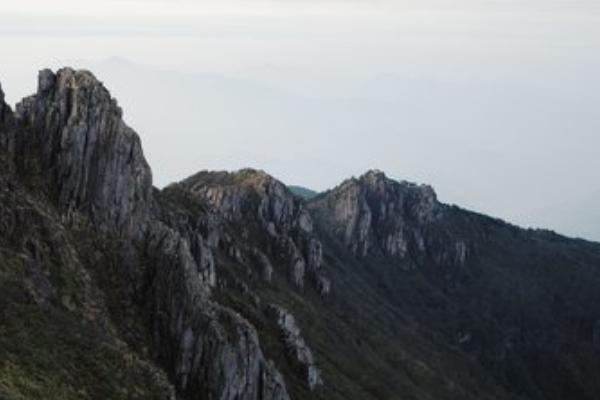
(5, 112)
(273, 226)
(73, 133)
(6, 137)
(228, 286)
(378, 217)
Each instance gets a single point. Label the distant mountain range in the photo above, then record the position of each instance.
(234, 286)
(305, 193)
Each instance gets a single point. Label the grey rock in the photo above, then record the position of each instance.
(226, 362)
(249, 193)
(449, 252)
(205, 261)
(376, 216)
(236, 253)
(7, 135)
(271, 230)
(463, 337)
(295, 344)
(304, 221)
(253, 200)
(264, 264)
(323, 285)
(297, 264)
(4, 110)
(46, 81)
(314, 255)
(76, 135)
(215, 352)
(297, 270)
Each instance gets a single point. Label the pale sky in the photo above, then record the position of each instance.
(496, 103)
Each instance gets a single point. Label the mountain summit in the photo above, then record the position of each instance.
(375, 215)
(229, 286)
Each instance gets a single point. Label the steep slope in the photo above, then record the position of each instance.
(522, 304)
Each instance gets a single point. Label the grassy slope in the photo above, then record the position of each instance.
(57, 338)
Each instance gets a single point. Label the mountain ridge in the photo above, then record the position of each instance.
(227, 285)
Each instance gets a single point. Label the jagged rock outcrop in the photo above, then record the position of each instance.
(264, 264)
(6, 134)
(73, 133)
(5, 112)
(268, 215)
(250, 194)
(3, 105)
(71, 137)
(296, 347)
(213, 351)
(376, 216)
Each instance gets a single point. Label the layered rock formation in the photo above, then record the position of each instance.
(5, 112)
(73, 133)
(268, 216)
(375, 216)
(6, 134)
(211, 350)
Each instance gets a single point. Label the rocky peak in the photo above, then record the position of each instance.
(74, 134)
(374, 215)
(6, 116)
(270, 217)
(416, 202)
(250, 193)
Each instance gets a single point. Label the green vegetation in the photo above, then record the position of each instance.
(57, 338)
(302, 192)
